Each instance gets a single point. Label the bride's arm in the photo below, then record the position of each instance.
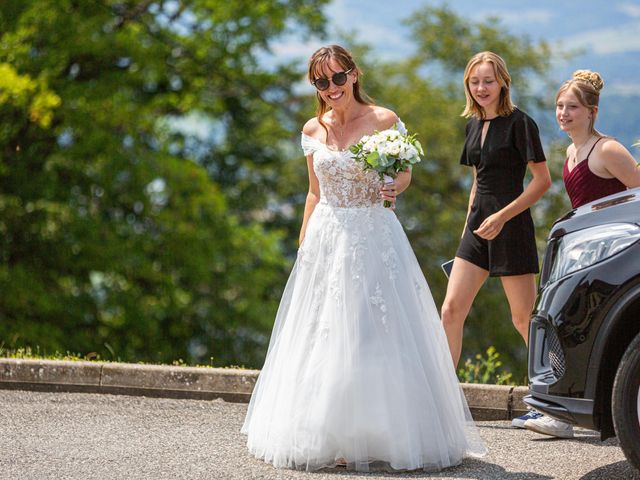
(313, 197)
(389, 191)
(403, 180)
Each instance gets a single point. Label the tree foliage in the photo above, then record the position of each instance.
(121, 231)
(151, 186)
(426, 90)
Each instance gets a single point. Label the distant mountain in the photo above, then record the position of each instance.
(617, 119)
(621, 119)
(606, 40)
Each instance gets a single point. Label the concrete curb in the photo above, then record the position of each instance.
(486, 402)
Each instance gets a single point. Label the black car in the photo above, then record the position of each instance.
(584, 343)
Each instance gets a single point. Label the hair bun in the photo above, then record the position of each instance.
(592, 78)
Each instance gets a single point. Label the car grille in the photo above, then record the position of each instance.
(546, 356)
(556, 355)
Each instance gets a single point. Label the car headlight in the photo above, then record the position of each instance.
(581, 249)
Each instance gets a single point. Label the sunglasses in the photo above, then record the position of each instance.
(339, 79)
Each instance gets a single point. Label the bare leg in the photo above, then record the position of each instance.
(521, 294)
(464, 283)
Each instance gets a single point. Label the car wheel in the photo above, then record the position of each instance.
(626, 403)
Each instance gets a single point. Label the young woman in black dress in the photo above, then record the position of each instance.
(498, 238)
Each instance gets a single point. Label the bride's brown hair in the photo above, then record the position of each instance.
(321, 57)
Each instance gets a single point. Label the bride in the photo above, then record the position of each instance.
(358, 371)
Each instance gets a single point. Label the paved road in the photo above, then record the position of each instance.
(91, 436)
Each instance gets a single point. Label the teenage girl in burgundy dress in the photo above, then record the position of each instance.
(596, 165)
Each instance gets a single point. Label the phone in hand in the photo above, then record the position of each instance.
(447, 266)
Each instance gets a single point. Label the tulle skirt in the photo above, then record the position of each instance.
(358, 368)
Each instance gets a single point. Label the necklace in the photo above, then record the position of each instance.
(574, 160)
(339, 129)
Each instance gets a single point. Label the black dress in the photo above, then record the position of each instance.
(511, 142)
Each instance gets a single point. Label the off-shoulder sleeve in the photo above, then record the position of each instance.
(527, 140)
(309, 144)
(400, 126)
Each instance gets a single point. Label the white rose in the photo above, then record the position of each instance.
(394, 147)
(392, 133)
(370, 145)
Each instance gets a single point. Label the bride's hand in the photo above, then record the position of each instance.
(388, 192)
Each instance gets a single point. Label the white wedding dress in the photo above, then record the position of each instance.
(358, 367)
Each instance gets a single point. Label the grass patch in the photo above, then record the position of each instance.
(29, 353)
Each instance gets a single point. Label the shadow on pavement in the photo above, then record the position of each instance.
(470, 468)
(615, 470)
(587, 436)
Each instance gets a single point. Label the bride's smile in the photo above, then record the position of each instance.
(358, 368)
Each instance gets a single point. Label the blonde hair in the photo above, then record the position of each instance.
(505, 106)
(321, 57)
(586, 86)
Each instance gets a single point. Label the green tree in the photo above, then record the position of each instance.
(426, 90)
(151, 186)
(121, 230)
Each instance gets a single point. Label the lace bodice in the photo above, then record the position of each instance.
(343, 183)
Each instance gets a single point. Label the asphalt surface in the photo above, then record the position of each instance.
(47, 435)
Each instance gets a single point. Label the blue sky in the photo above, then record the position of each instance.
(608, 32)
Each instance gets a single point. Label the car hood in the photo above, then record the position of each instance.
(623, 207)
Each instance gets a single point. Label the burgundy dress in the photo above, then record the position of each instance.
(584, 186)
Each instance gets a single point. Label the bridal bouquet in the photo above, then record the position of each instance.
(387, 152)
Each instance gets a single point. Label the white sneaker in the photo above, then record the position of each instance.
(550, 426)
(519, 422)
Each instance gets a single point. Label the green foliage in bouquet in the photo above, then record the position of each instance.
(387, 152)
